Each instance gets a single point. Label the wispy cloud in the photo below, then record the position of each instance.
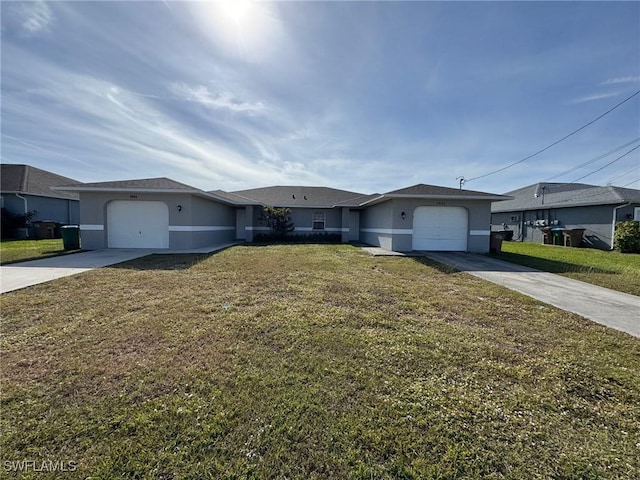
(596, 96)
(618, 80)
(37, 17)
(221, 100)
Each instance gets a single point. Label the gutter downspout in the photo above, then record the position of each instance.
(613, 222)
(26, 209)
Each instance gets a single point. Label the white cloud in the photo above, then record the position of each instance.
(618, 80)
(37, 17)
(597, 96)
(220, 100)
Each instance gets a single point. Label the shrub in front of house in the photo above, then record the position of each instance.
(278, 219)
(627, 237)
(269, 237)
(12, 222)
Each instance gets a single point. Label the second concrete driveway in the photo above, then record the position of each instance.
(615, 309)
(25, 274)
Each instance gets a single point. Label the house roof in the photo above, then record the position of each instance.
(432, 191)
(150, 185)
(298, 196)
(160, 183)
(233, 197)
(25, 179)
(558, 195)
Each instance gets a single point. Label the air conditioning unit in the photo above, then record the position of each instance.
(541, 223)
(514, 218)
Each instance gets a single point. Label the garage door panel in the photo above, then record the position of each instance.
(137, 224)
(440, 228)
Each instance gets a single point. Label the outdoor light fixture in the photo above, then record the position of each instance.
(179, 207)
(403, 215)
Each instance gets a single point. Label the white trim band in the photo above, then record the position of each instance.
(199, 228)
(480, 233)
(389, 231)
(89, 227)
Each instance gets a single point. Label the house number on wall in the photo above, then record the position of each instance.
(440, 204)
(133, 196)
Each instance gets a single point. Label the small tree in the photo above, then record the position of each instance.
(627, 237)
(12, 221)
(278, 219)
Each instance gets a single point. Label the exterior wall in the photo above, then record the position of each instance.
(302, 219)
(354, 225)
(597, 220)
(241, 224)
(199, 222)
(382, 224)
(376, 223)
(59, 210)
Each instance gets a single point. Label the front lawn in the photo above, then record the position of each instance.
(12, 251)
(310, 361)
(615, 270)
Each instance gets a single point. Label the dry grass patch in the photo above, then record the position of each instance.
(311, 362)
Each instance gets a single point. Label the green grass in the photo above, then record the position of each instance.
(310, 361)
(12, 251)
(618, 271)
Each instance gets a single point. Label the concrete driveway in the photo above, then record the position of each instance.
(26, 274)
(608, 307)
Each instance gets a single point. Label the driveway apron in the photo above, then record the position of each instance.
(608, 307)
(26, 274)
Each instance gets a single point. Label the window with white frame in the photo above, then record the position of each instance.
(636, 213)
(319, 219)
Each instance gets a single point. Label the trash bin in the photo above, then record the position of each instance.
(495, 242)
(71, 237)
(45, 229)
(507, 235)
(558, 238)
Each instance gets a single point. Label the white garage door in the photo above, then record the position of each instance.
(133, 224)
(440, 229)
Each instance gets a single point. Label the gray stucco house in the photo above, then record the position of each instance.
(24, 188)
(568, 205)
(163, 213)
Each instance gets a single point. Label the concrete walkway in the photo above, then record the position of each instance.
(608, 307)
(34, 272)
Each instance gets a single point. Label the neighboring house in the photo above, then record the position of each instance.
(566, 205)
(24, 189)
(163, 213)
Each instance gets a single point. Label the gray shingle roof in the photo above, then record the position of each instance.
(422, 190)
(232, 197)
(29, 180)
(161, 183)
(298, 196)
(558, 195)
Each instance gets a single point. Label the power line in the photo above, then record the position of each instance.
(557, 141)
(605, 166)
(627, 184)
(593, 160)
(632, 169)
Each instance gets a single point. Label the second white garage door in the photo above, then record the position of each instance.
(440, 229)
(133, 224)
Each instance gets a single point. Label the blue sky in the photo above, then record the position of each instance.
(362, 96)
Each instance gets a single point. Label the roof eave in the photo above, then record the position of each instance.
(17, 192)
(563, 205)
(199, 193)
